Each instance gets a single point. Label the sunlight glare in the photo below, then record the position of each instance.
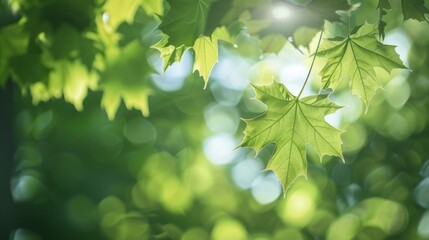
(219, 149)
(266, 188)
(281, 12)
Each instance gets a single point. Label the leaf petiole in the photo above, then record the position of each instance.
(312, 64)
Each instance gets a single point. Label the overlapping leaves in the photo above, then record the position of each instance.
(411, 9)
(292, 123)
(104, 47)
(185, 21)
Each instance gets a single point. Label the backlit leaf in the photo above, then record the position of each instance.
(206, 52)
(121, 11)
(73, 79)
(169, 53)
(291, 124)
(206, 55)
(153, 7)
(353, 59)
(69, 79)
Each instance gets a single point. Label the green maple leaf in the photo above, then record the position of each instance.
(69, 79)
(73, 80)
(206, 56)
(414, 9)
(353, 58)
(185, 21)
(206, 52)
(291, 124)
(205, 48)
(169, 53)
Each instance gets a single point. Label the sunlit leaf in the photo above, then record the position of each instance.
(69, 79)
(72, 79)
(153, 7)
(169, 53)
(206, 52)
(121, 11)
(291, 124)
(353, 59)
(206, 55)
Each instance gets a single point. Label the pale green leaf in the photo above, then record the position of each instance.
(291, 123)
(74, 80)
(69, 79)
(221, 33)
(153, 7)
(206, 52)
(169, 53)
(206, 55)
(353, 59)
(121, 11)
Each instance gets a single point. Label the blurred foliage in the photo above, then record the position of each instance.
(176, 173)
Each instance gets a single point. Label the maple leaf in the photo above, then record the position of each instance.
(185, 21)
(206, 56)
(353, 58)
(206, 52)
(74, 80)
(291, 124)
(169, 53)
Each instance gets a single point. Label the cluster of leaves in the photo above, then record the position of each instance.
(63, 48)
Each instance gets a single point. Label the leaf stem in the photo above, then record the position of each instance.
(312, 64)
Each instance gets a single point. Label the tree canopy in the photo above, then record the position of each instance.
(121, 119)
